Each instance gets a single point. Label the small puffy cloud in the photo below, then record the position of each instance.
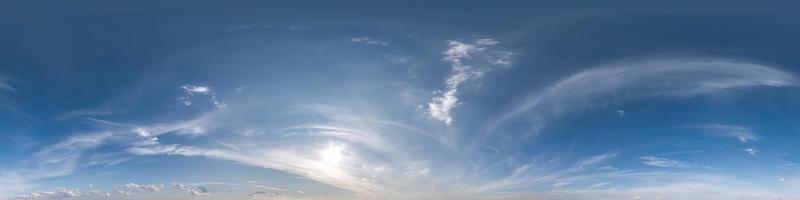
(751, 151)
(425, 171)
(194, 90)
(194, 191)
(64, 193)
(145, 187)
(144, 133)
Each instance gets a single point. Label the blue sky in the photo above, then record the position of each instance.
(390, 100)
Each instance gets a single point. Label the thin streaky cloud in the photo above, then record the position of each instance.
(368, 41)
(638, 80)
(663, 162)
(743, 134)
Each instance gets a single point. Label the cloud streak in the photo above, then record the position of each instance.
(663, 162)
(637, 80)
(368, 41)
(469, 61)
(743, 134)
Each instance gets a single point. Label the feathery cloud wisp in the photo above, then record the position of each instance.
(629, 81)
(743, 134)
(663, 162)
(469, 61)
(368, 41)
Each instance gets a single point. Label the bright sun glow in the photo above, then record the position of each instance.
(332, 155)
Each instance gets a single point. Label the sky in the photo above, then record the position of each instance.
(388, 100)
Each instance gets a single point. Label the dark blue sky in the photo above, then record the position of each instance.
(399, 100)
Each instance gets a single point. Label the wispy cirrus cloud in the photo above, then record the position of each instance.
(66, 156)
(375, 157)
(663, 162)
(468, 61)
(368, 41)
(267, 187)
(4, 86)
(743, 134)
(54, 160)
(637, 80)
(247, 27)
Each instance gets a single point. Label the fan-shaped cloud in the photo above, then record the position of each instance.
(636, 80)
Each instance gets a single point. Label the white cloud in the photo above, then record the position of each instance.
(636, 80)
(267, 187)
(107, 159)
(743, 134)
(123, 192)
(65, 193)
(196, 89)
(594, 160)
(64, 157)
(83, 113)
(486, 41)
(4, 86)
(193, 190)
(469, 61)
(144, 187)
(260, 194)
(711, 190)
(192, 90)
(751, 151)
(247, 27)
(368, 41)
(54, 160)
(60, 193)
(299, 27)
(663, 162)
(374, 157)
(425, 171)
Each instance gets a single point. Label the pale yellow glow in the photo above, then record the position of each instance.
(332, 155)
